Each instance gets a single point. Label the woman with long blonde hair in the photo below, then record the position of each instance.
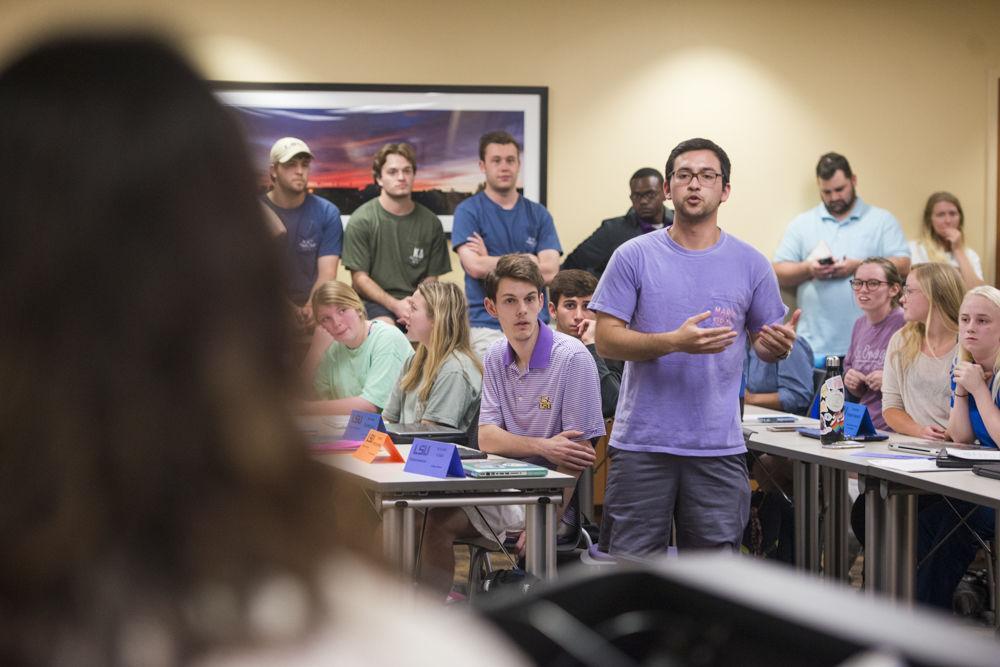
(975, 414)
(942, 239)
(944, 549)
(915, 397)
(440, 384)
(918, 360)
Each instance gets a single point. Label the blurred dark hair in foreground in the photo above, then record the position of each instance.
(150, 477)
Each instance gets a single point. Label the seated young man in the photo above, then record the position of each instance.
(540, 403)
(569, 297)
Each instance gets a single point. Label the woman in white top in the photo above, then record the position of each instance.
(942, 239)
(915, 380)
(916, 398)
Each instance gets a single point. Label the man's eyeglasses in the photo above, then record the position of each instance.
(705, 176)
(872, 284)
(649, 195)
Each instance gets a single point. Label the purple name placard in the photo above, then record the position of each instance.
(857, 421)
(434, 459)
(360, 423)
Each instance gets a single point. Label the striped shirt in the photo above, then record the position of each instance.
(559, 390)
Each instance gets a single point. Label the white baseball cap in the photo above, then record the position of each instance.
(286, 148)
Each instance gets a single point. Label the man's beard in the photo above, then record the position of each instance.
(842, 207)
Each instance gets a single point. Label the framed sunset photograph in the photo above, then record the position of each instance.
(344, 125)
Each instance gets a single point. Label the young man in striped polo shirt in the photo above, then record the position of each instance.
(541, 402)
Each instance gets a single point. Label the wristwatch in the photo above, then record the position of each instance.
(787, 354)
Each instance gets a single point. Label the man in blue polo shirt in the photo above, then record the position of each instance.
(541, 402)
(495, 222)
(822, 248)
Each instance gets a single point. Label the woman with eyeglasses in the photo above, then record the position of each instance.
(942, 240)
(877, 287)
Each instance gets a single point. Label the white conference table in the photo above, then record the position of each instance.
(812, 463)
(398, 494)
(891, 505)
(892, 520)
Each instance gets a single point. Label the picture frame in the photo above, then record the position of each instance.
(344, 125)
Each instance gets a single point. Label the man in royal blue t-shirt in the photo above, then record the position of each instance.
(499, 221)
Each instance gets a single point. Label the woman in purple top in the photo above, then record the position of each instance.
(877, 288)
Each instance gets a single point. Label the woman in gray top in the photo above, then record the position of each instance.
(441, 383)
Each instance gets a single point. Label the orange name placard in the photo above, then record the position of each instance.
(372, 447)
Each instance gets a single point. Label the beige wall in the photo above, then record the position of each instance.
(907, 90)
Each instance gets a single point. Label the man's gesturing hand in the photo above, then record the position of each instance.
(691, 338)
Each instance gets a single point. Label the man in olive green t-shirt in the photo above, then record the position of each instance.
(392, 244)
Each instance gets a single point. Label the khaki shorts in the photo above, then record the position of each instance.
(482, 338)
(501, 518)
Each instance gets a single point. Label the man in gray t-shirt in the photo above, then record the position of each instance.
(392, 244)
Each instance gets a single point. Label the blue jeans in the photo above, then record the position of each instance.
(940, 574)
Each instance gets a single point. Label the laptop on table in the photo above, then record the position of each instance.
(403, 434)
(492, 468)
(928, 447)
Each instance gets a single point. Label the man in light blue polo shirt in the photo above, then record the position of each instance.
(541, 402)
(495, 222)
(823, 246)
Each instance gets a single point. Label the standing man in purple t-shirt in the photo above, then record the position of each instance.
(541, 402)
(677, 305)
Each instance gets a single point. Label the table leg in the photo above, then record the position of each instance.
(875, 580)
(392, 534)
(901, 555)
(585, 493)
(540, 540)
(408, 542)
(996, 569)
(836, 515)
(805, 480)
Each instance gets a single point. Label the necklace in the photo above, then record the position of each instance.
(944, 345)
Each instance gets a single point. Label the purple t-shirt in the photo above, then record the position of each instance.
(559, 391)
(681, 403)
(867, 353)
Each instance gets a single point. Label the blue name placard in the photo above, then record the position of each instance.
(434, 459)
(360, 423)
(857, 421)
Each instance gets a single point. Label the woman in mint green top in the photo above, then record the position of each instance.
(353, 363)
